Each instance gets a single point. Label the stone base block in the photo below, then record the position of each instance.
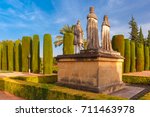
(96, 73)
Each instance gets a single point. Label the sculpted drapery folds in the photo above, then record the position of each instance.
(92, 30)
(105, 34)
(78, 37)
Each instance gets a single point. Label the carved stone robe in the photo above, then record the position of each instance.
(92, 30)
(105, 35)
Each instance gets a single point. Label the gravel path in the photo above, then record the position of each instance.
(7, 96)
(143, 73)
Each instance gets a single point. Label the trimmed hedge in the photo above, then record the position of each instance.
(133, 60)
(4, 56)
(127, 56)
(38, 79)
(139, 57)
(146, 56)
(136, 79)
(68, 47)
(47, 54)
(149, 57)
(34, 91)
(118, 45)
(35, 54)
(26, 50)
(1, 56)
(18, 55)
(10, 55)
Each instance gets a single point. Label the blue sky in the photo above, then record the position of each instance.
(27, 17)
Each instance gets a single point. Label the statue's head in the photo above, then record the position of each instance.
(78, 22)
(91, 9)
(105, 18)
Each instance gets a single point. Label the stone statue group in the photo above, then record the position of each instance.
(92, 33)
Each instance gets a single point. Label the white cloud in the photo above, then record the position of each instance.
(15, 3)
(114, 3)
(124, 29)
(60, 20)
(145, 28)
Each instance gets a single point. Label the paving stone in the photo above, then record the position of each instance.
(128, 91)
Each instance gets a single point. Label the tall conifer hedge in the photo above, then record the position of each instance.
(146, 56)
(4, 56)
(47, 54)
(0, 55)
(26, 51)
(139, 57)
(68, 47)
(127, 56)
(10, 55)
(18, 55)
(118, 45)
(133, 60)
(35, 54)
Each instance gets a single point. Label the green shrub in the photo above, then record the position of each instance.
(0, 56)
(149, 57)
(127, 56)
(39, 91)
(118, 45)
(38, 79)
(47, 54)
(35, 54)
(68, 47)
(133, 60)
(139, 57)
(146, 56)
(18, 55)
(26, 51)
(136, 79)
(4, 56)
(10, 55)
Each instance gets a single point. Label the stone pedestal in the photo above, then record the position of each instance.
(94, 72)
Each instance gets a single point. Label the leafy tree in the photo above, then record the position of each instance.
(59, 38)
(67, 29)
(134, 30)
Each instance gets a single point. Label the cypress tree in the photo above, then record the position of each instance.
(146, 56)
(26, 51)
(133, 61)
(118, 45)
(10, 55)
(35, 54)
(18, 55)
(4, 55)
(134, 30)
(141, 37)
(148, 38)
(0, 55)
(68, 47)
(139, 57)
(47, 54)
(148, 44)
(127, 56)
